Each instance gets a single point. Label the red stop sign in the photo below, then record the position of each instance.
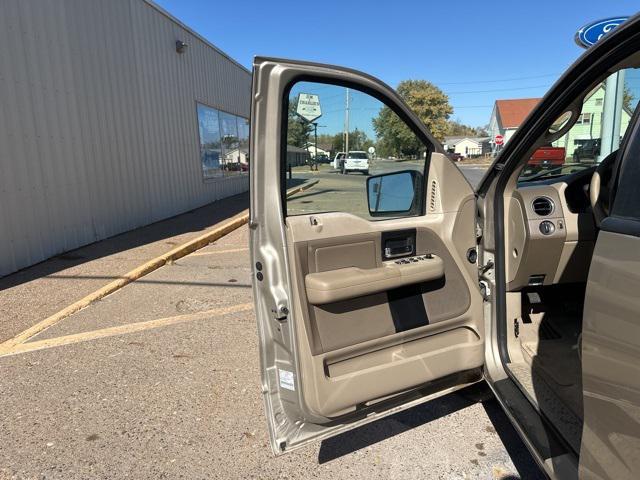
(499, 139)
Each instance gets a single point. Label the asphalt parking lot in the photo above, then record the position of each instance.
(335, 190)
(160, 380)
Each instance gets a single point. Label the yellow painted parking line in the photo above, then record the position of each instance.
(125, 329)
(127, 278)
(231, 250)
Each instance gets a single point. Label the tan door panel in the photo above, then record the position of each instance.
(354, 254)
(372, 331)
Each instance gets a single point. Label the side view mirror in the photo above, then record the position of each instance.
(395, 193)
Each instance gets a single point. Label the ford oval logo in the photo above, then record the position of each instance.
(594, 31)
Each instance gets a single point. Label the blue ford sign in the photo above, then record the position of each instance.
(594, 31)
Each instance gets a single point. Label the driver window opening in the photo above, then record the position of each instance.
(344, 139)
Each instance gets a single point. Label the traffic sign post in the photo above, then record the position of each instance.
(309, 110)
(309, 107)
(372, 151)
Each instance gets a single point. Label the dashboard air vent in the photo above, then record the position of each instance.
(542, 206)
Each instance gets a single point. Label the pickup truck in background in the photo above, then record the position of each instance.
(545, 158)
(589, 150)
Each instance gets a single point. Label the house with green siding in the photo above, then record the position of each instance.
(588, 127)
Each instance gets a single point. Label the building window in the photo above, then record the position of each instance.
(243, 141)
(224, 142)
(599, 102)
(210, 148)
(584, 119)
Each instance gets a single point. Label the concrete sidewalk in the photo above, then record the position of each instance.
(32, 294)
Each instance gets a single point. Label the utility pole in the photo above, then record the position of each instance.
(612, 114)
(315, 145)
(346, 125)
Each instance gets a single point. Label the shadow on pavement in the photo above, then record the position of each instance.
(380, 430)
(230, 283)
(520, 456)
(388, 427)
(313, 193)
(193, 221)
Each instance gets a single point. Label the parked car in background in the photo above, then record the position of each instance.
(337, 160)
(356, 161)
(323, 159)
(236, 167)
(589, 150)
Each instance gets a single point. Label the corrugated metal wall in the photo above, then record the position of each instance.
(98, 125)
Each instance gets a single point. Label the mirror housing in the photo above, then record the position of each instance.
(395, 193)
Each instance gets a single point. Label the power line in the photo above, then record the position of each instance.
(472, 106)
(500, 80)
(499, 90)
(461, 92)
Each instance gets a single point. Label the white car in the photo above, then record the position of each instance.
(337, 160)
(355, 161)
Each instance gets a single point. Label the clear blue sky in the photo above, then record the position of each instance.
(462, 46)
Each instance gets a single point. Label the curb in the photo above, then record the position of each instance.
(137, 273)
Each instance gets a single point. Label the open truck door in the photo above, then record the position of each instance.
(366, 292)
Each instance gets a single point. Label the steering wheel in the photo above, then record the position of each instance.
(600, 187)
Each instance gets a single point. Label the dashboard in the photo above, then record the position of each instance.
(550, 232)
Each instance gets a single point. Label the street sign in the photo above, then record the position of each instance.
(594, 31)
(371, 150)
(499, 139)
(309, 107)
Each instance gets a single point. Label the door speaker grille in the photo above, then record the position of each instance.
(433, 200)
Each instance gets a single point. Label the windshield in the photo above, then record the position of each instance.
(358, 155)
(596, 130)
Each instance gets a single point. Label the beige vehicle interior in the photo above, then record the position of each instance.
(372, 322)
(551, 227)
(547, 268)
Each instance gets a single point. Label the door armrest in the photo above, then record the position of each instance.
(351, 282)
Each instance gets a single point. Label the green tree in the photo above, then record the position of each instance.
(428, 102)
(457, 129)
(627, 98)
(298, 131)
(333, 141)
(358, 140)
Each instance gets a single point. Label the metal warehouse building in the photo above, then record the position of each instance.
(113, 115)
